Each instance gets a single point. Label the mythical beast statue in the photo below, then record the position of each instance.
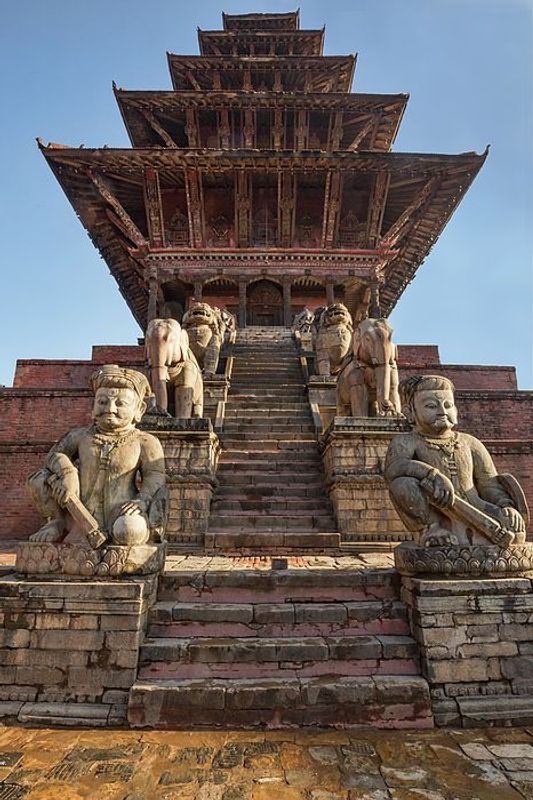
(333, 339)
(206, 328)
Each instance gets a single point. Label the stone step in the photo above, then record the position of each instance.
(319, 520)
(266, 416)
(233, 584)
(269, 440)
(266, 490)
(234, 479)
(255, 405)
(265, 541)
(255, 656)
(170, 619)
(257, 427)
(258, 467)
(381, 701)
(269, 505)
(286, 450)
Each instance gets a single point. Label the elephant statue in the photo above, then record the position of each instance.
(367, 385)
(171, 361)
(333, 339)
(206, 330)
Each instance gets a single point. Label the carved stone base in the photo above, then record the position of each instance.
(40, 558)
(461, 560)
(353, 453)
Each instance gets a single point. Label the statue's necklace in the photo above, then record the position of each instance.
(448, 446)
(108, 442)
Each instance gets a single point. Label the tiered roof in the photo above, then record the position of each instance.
(262, 119)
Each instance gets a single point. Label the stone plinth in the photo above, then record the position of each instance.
(44, 558)
(353, 452)
(191, 456)
(69, 648)
(486, 560)
(476, 647)
(322, 393)
(215, 396)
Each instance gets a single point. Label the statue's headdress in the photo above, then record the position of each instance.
(420, 383)
(111, 375)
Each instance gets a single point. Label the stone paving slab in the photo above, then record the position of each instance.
(44, 764)
(194, 563)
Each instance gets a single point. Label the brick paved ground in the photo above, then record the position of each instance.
(77, 764)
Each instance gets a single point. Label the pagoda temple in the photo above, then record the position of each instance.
(272, 572)
(261, 183)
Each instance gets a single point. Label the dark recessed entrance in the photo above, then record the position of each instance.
(264, 304)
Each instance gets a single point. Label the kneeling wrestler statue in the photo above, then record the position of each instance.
(443, 483)
(105, 483)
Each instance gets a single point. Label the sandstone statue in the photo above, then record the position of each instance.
(105, 484)
(367, 385)
(230, 322)
(303, 322)
(171, 361)
(443, 483)
(303, 326)
(206, 329)
(333, 339)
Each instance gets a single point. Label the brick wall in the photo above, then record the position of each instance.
(50, 397)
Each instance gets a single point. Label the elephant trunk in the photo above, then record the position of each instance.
(383, 386)
(159, 379)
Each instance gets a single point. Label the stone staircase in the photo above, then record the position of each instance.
(271, 496)
(233, 643)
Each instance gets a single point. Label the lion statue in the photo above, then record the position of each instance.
(333, 339)
(206, 330)
(171, 361)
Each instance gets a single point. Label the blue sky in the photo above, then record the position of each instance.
(467, 65)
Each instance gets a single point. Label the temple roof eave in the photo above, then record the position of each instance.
(75, 168)
(135, 104)
(343, 64)
(140, 158)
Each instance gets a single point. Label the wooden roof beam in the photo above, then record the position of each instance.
(408, 217)
(376, 205)
(332, 206)
(154, 208)
(105, 192)
(156, 126)
(286, 207)
(195, 206)
(192, 80)
(360, 135)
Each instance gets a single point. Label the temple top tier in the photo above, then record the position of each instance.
(262, 22)
(260, 164)
(261, 35)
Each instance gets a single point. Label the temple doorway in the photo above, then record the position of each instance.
(264, 304)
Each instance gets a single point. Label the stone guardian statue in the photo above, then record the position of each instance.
(443, 483)
(105, 483)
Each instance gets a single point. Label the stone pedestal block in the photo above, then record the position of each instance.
(353, 452)
(476, 646)
(191, 456)
(69, 648)
(322, 393)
